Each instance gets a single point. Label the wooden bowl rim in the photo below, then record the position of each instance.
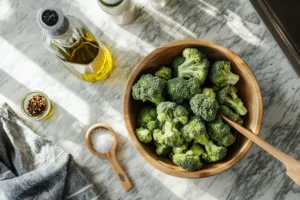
(164, 167)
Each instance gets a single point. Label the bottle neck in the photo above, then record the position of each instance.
(70, 38)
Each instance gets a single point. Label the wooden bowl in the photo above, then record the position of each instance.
(248, 91)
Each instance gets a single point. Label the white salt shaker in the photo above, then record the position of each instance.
(158, 4)
(121, 11)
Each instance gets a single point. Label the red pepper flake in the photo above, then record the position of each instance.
(37, 105)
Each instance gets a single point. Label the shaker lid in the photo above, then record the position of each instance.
(53, 21)
(111, 3)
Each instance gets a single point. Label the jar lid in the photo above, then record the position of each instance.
(110, 3)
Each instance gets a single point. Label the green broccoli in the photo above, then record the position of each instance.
(170, 111)
(164, 73)
(143, 135)
(195, 130)
(228, 96)
(171, 136)
(171, 115)
(179, 60)
(220, 132)
(205, 105)
(181, 115)
(181, 149)
(158, 136)
(148, 118)
(190, 160)
(162, 149)
(149, 88)
(220, 73)
(214, 153)
(195, 65)
(227, 112)
(180, 89)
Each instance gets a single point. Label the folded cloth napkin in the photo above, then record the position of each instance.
(32, 167)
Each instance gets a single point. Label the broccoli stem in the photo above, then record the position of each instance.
(157, 99)
(232, 78)
(238, 107)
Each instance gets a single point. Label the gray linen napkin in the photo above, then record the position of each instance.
(32, 167)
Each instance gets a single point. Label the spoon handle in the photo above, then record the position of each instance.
(292, 166)
(120, 173)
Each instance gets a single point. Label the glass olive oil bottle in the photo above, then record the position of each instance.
(72, 43)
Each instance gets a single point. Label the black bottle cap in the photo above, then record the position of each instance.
(53, 21)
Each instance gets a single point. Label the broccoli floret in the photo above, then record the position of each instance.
(190, 160)
(165, 111)
(162, 149)
(181, 149)
(213, 152)
(143, 135)
(180, 89)
(171, 135)
(176, 63)
(148, 118)
(164, 73)
(204, 105)
(217, 88)
(195, 130)
(181, 115)
(158, 136)
(227, 112)
(220, 132)
(220, 73)
(149, 88)
(170, 111)
(228, 96)
(195, 65)
(171, 115)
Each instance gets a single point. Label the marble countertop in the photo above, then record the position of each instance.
(26, 65)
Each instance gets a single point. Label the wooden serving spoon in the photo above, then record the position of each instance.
(292, 165)
(110, 156)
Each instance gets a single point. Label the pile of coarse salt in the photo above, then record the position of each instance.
(102, 140)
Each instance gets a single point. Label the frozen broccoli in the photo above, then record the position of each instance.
(214, 153)
(195, 130)
(148, 118)
(143, 135)
(162, 149)
(220, 73)
(164, 73)
(205, 105)
(190, 160)
(228, 96)
(194, 64)
(180, 89)
(227, 112)
(149, 88)
(220, 132)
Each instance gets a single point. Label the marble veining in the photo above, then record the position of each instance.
(26, 65)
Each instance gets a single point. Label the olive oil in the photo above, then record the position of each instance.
(73, 44)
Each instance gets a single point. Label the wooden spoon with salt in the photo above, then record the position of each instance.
(110, 156)
(292, 165)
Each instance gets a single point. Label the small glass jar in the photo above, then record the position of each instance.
(120, 11)
(158, 4)
(45, 115)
